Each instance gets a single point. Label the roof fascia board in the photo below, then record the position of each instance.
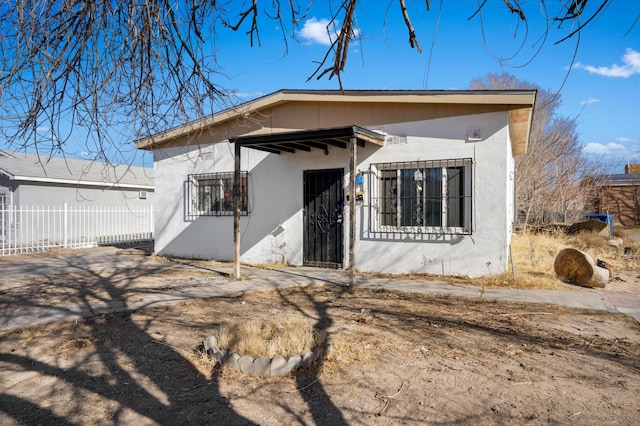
(7, 174)
(81, 183)
(517, 99)
(625, 182)
(215, 119)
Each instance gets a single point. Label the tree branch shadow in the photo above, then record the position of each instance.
(131, 376)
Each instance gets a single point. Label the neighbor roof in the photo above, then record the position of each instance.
(254, 117)
(31, 167)
(621, 179)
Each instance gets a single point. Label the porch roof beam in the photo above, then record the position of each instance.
(304, 140)
(268, 149)
(318, 144)
(296, 145)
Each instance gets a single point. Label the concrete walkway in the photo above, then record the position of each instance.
(257, 279)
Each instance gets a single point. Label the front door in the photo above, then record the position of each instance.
(323, 218)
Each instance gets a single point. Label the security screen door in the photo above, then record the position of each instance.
(323, 240)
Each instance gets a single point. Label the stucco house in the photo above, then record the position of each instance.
(411, 181)
(50, 202)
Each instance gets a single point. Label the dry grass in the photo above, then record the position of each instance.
(534, 255)
(355, 348)
(202, 361)
(283, 336)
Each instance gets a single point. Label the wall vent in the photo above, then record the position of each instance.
(475, 134)
(395, 140)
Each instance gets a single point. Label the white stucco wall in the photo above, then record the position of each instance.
(45, 194)
(276, 198)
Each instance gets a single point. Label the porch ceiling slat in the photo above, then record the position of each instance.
(337, 142)
(296, 145)
(317, 144)
(306, 139)
(267, 148)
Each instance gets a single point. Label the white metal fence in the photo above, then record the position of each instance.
(38, 228)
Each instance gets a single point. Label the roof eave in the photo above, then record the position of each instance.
(517, 98)
(82, 183)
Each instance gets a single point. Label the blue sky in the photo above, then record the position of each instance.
(602, 89)
(600, 83)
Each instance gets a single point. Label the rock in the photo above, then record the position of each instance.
(231, 361)
(210, 342)
(254, 367)
(259, 366)
(280, 367)
(244, 363)
(307, 358)
(294, 361)
(219, 355)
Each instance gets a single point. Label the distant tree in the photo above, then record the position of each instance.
(143, 66)
(549, 177)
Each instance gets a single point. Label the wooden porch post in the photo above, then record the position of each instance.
(352, 214)
(236, 213)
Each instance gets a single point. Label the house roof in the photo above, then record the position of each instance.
(68, 171)
(290, 110)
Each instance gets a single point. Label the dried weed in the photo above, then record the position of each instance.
(534, 255)
(359, 348)
(269, 338)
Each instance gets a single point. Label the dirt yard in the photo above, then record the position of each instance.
(398, 359)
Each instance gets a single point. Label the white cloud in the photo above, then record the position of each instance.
(589, 101)
(630, 66)
(595, 148)
(321, 31)
(628, 140)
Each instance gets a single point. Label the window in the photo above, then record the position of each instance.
(422, 196)
(211, 194)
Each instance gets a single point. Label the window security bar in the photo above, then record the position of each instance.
(421, 197)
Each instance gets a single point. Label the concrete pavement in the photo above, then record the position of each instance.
(258, 279)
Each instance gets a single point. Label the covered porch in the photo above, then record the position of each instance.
(348, 138)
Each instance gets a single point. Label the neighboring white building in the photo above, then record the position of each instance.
(435, 180)
(50, 202)
(31, 179)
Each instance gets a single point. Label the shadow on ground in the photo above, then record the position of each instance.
(438, 360)
(139, 377)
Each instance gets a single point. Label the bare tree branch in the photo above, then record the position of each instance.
(574, 13)
(88, 69)
(516, 9)
(413, 40)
